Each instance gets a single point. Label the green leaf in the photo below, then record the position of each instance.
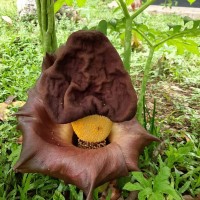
(80, 195)
(196, 24)
(191, 1)
(73, 191)
(169, 190)
(37, 197)
(58, 196)
(109, 194)
(177, 177)
(176, 28)
(163, 174)
(102, 26)
(132, 186)
(142, 27)
(186, 20)
(184, 187)
(116, 9)
(81, 3)
(122, 181)
(161, 180)
(58, 4)
(128, 2)
(192, 47)
(113, 23)
(144, 194)
(141, 179)
(156, 196)
(96, 193)
(69, 2)
(181, 46)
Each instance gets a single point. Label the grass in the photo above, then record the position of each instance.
(174, 83)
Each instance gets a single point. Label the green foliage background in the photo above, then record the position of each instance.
(175, 119)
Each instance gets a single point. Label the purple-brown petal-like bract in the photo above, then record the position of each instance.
(84, 77)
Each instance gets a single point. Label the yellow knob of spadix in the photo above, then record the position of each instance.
(93, 128)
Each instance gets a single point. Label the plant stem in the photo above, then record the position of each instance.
(128, 36)
(128, 30)
(39, 15)
(45, 11)
(127, 44)
(144, 84)
(144, 36)
(142, 8)
(124, 8)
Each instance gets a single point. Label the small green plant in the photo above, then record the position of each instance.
(157, 187)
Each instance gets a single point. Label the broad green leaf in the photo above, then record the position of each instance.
(176, 28)
(161, 179)
(128, 2)
(191, 1)
(169, 190)
(69, 2)
(144, 194)
(142, 27)
(102, 26)
(132, 186)
(113, 23)
(187, 19)
(191, 46)
(163, 174)
(151, 35)
(81, 3)
(58, 4)
(181, 47)
(156, 196)
(186, 149)
(58, 196)
(196, 24)
(141, 179)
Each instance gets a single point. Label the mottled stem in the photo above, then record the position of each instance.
(46, 19)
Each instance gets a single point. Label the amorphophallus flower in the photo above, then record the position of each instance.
(78, 122)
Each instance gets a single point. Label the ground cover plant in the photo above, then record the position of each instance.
(171, 108)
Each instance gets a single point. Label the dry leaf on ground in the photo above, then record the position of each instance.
(4, 110)
(188, 197)
(7, 19)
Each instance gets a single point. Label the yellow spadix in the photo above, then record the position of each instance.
(93, 128)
